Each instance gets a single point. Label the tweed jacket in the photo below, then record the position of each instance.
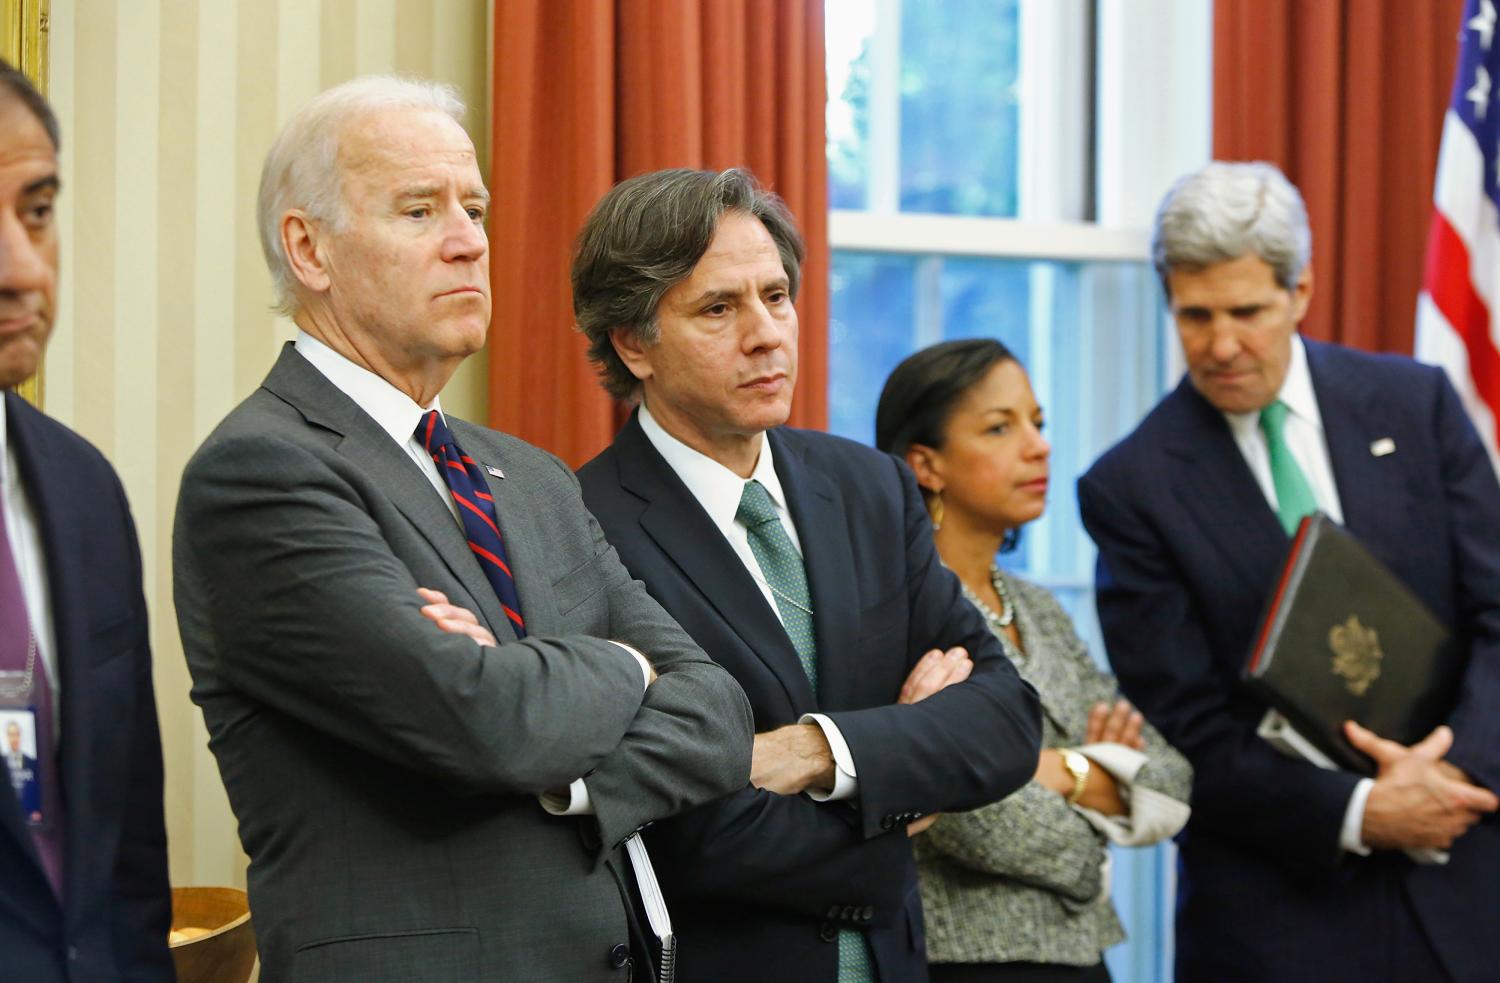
(1023, 879)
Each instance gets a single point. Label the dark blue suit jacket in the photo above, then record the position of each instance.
(117, 910)
(758, 884)
(1188, 551)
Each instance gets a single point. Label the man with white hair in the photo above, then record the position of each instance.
(1288, 871)
(439, 703)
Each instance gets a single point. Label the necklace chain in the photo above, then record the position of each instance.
(13, 683)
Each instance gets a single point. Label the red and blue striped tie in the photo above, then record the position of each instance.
(476, 509)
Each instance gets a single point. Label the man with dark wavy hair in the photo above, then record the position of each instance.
(804, 564)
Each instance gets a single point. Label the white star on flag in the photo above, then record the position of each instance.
(1479, 93)
(1484, 23)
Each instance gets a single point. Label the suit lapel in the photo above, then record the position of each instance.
(1216, 487)
(1346, 404)
(678, 525)
(828, 557)
(295, 380)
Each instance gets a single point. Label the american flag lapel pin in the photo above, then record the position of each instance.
(494, 471)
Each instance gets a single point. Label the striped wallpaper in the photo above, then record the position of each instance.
(167, 108)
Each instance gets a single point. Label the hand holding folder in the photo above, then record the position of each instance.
(1360, 676)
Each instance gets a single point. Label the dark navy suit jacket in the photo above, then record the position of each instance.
(117, 910)
(1188, 551)
(758, 884)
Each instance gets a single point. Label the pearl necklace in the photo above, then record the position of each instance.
(1007, 610)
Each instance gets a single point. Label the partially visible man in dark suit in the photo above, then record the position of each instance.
(83, 868)
(804, 564)
(1291, 872)
(405, 630)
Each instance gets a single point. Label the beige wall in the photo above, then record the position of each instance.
(167, 108)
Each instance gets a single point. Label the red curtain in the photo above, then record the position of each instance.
(588, 93)
(1347, 97)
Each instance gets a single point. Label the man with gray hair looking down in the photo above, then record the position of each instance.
(405, 630)
(1291, 872)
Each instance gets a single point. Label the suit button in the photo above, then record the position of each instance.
(849, 913)
(72, 953)
(866, 913)
(828, 932)
(887, 822)
(619, 956)
(833, 911)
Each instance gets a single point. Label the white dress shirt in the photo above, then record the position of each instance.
(31, 563)
(398, 415)
(1306, 440)
(718, 490)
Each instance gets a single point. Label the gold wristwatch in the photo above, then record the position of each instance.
(1078, 766)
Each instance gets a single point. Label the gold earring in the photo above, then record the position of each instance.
(935, 509)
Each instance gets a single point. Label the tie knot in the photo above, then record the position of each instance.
(433, 433)
(1272, 418)
(756, 507)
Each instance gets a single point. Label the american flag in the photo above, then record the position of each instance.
(1458, 312)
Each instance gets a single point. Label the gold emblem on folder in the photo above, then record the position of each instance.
(1356, 654)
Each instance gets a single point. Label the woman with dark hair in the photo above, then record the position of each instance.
(1019, 890)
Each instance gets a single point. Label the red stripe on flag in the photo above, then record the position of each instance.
(491, 557)
(1447, 282)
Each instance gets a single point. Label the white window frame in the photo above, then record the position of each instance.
(1151, 81)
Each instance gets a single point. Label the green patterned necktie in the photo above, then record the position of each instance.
(1294, 496)
(781, 565)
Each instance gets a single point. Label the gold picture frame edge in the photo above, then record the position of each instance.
(24, 44)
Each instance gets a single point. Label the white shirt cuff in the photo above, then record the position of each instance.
(571, 801)
(574, 800)
(845, 781)
(1151, 817)
(641, 659)
(1350, 837)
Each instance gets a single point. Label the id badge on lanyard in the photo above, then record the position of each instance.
(26, 743)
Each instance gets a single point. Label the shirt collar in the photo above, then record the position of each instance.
(391, 408)
(1296, 392)
(716, 488)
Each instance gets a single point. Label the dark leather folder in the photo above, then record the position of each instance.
(1343, 639)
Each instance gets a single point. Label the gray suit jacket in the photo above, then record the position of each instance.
(384, 774)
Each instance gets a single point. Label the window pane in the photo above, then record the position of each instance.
(870, 329)
(850, 34)
(923, 109)
(960, 123)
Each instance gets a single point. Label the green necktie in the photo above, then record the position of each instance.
(1294, 496)
(781, 565)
